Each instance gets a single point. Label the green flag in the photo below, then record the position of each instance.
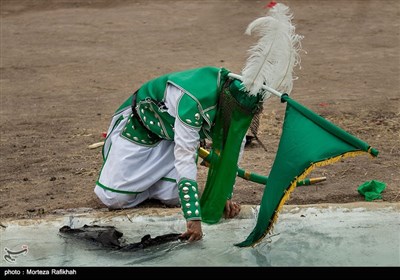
(307, 141)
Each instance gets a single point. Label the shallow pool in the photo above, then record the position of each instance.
(313, 235)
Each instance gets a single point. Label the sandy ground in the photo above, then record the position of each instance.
(67, 65)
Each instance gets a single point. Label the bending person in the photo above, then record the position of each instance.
(150, 151)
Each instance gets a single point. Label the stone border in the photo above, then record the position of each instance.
(248, 211)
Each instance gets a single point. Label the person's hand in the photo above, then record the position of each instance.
(193, 231)
(231, 210)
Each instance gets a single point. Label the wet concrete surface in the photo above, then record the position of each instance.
(354, 234)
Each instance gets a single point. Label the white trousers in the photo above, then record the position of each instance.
(132, 173)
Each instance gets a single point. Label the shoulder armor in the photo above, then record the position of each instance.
(189, 111)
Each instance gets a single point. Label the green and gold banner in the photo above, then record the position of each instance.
(307, 141)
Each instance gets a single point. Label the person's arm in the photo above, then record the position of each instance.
(186, 145)
(187, 140)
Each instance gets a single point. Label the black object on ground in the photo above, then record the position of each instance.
(109, 237)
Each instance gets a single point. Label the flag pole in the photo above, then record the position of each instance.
(271, 90)
(258, 178)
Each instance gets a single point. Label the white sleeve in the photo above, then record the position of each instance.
(186, 138)
(186, 146)
(242, 149)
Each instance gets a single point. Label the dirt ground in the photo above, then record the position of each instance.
(66, 65)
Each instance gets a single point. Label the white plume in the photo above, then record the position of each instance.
(273, 58)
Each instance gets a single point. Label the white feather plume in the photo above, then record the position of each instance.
(273, 58)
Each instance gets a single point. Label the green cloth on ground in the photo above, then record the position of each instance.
(371, 190)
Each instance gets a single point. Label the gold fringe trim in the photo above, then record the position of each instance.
(293, 185)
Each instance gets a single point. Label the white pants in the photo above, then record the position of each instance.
(115, 200)
(132, 173)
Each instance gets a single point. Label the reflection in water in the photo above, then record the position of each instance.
(308, 237)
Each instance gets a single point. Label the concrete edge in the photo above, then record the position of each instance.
(247, 212)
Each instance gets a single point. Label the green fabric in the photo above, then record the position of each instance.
(189, 197)
(114, 190)
(228, 134)
(168, 179)
(135, 132)
(156, 119)
(103, 151)
(189, 113)
(127, 103)
(250, 102)
(306, 139)
(202, 85)
(371, 190)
